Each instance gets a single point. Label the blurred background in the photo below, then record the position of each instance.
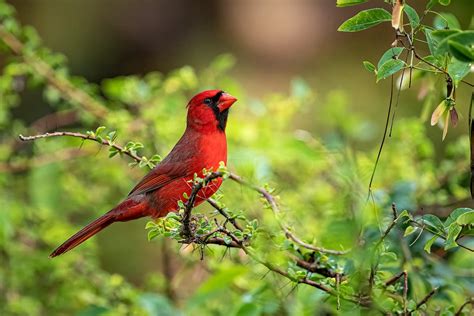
(276, 45)
(273, 41)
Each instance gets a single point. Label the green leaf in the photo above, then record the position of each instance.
(409, 230)
(403, 214)
(432, 42)
(346, 3)
(369, 66)
(444, 2)
(446, 21)
(365, 19)
(465, 38)
(99, 130)
(412, 16)
(391, 53)
(461, 52)
(434, 222)
(458, 70)
(453, 232)
(429, 243)
(466, 218)
(389, 68)
(455, 214)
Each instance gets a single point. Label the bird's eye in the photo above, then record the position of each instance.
(207, 101)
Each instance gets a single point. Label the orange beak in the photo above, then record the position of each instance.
(225, 101)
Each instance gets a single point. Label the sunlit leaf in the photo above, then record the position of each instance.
(409, 230)
(466, 218)
(389, 68)
(453, 231)
(455, 214)
(438, 112)
(429, 243)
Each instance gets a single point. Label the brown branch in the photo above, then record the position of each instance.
(426, 298)
(222, 211)
(188, 206)
(61, 83)
(85, 137)
(469, 301)
(276, 211)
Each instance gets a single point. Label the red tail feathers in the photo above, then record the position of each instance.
(85, 233)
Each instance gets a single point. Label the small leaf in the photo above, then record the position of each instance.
(438, 112)
(99, 130)
(409, 230)
(444, 2)
(346, 3)
(429, 243)
(453, 232)
(150, 224)
(389, 68)
(434, 222)
(369, 66)
(412, 16)
(391, 53)
(365, 19)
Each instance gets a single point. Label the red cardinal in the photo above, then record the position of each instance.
(203, 145)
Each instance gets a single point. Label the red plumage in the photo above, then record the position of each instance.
(203, 145)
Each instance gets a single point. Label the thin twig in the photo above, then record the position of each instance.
(426, 298)
(85, 137)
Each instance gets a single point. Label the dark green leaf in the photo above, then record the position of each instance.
(346, 3)
(465, 38)
(461, 52)
(432, 42)
(412, 16)
(391, 53)
(389, 68)
(365, 19)
(458, 70)
(433, 222)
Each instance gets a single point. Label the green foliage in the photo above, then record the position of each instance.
(318, 186)
(365, 19)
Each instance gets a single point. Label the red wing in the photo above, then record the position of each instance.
(159, 177)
